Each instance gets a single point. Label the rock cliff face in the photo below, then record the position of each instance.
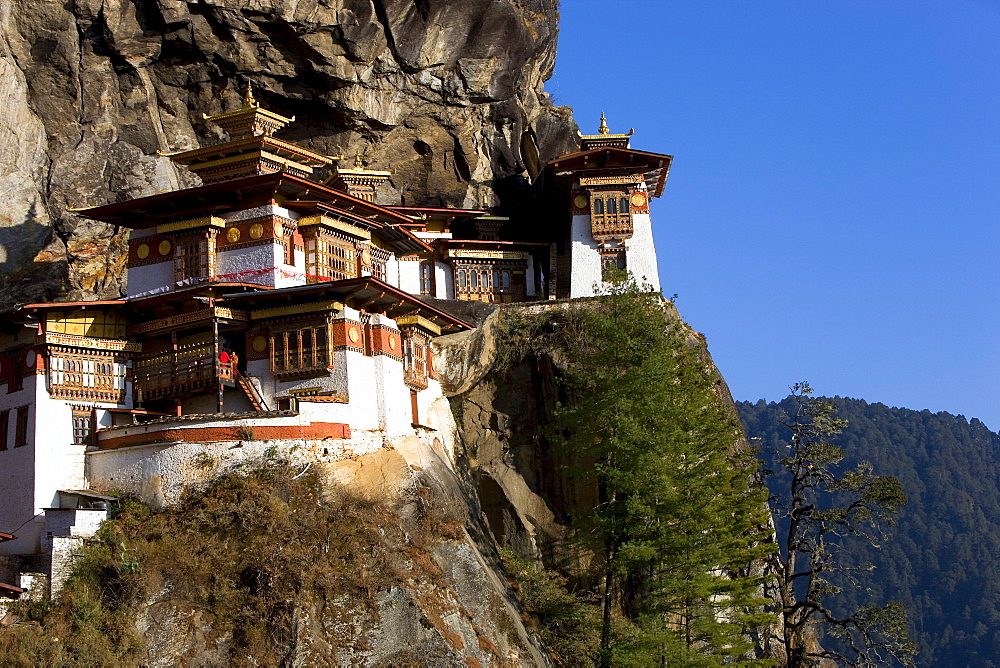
(447, 93)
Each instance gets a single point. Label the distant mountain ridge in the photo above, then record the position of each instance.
(943, 558)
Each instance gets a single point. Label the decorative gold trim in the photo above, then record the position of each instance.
(208, 221)
(296, 309)
(335, 224)
(418, 321)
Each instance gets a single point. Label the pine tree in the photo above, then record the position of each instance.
(680, 515)
(819, 506)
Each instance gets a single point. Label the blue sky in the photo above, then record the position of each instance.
(833, 209)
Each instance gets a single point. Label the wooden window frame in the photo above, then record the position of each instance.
(21, 430)
(415, 371)
(301, 351)
(83, 426)
(4, 429)
(192, 258)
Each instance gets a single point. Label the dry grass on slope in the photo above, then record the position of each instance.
(237, 562)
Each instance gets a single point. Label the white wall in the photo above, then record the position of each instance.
(150, 278)
(444, 281)
(640, 258)
(409, 276)
(251, 258)
(585, 259)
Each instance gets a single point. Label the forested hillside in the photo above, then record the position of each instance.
(943, 558)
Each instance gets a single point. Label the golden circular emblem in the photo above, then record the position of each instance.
(279, 230)
(142, 251)
(354, 334)
(392, 342)
(259, 344)
(581, 201)
(233, 234)
(638, 200)
(256, 231)
(366, 257)
(164, 247)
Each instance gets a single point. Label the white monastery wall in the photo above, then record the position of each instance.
(585, 259)
(444, 281)
(236, 264)
(392, 270)
(640, 258)
(363, 389)
(150, 278)
(409, 276)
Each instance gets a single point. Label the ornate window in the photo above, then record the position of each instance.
(379, 259)
(427, 278)
(87, 376)
(300, 352)
(611, 259)
(415, 359)
(488, 282)
(610, 214)
(191, 259)
(81, 425)
(330, 258)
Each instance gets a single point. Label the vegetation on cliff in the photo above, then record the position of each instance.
(941, 560)
(243, 573)
(677, 516)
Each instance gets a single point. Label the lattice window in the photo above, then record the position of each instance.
(414, 359)
(427, 278)
(484, 282)
(611, 259)
(610, 214)
(300, 351)
(191, 259)
(330, 258)
(21, 432)
(82, 426)
(93, 377)
(379, 259)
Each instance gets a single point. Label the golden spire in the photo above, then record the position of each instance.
(248, 99)
(358, 163)
(604, 125)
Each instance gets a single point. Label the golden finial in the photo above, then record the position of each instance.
(248, 99)
(604, 125)
(358, 164)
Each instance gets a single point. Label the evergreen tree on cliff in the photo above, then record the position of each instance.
(817, 507)
(680, 515)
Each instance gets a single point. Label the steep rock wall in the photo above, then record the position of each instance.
(447, 93)
(503, 408)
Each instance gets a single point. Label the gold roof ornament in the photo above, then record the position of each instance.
(604, 138)
(252, 148)
(248, 98)
(601, 130)
(250, 120)
(358, 180)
